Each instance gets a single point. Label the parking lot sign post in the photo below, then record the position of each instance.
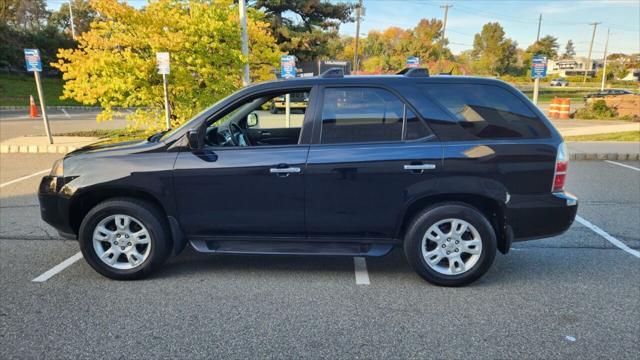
(162, 59)
(413, 62)
(32, 60)
(538, 71)
(287, 70)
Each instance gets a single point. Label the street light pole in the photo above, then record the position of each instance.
(355, 56)
(593, 36)
(246, 80)
(73, 28)
(604, 67)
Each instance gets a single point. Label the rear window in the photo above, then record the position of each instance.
(487, 111)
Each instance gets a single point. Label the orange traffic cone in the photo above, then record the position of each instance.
(33, 110)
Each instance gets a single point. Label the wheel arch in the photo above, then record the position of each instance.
(83, 201)
(493, 209)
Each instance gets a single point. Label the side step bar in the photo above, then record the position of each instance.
(267, 247)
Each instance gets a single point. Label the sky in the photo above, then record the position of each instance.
(563, 19)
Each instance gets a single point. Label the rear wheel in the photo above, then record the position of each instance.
(124, 239)
(450, 244)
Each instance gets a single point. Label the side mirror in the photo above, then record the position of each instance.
(252, 119)
(193, 139)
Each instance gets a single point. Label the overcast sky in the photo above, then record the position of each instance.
(564, 19)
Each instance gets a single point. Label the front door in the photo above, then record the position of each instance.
(253, 188)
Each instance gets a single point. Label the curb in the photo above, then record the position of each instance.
(604, 156)
(37, 149)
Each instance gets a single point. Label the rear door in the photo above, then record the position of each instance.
(370, 155)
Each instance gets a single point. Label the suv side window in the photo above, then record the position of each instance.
(487, 111)
(362, 114)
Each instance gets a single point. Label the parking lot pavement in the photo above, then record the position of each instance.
(572, 296)
(16, 123)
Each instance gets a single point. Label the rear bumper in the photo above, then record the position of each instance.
(54, 206)
(539, 216)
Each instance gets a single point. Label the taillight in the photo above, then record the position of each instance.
(560, 174)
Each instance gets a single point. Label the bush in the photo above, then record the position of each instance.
(597, 109)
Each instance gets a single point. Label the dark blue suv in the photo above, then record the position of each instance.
(452, 169)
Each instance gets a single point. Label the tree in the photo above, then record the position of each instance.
(114, 64)
(569, 50)
(83, 15)
(547, 46)
(28, 15)
(307, 38)
(493, 53)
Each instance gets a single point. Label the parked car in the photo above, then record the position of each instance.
(451, 169)
(608, 92)
(559, 82)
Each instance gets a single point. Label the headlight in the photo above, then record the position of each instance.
(57, 169)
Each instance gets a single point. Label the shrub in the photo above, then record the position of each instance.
(597, 109)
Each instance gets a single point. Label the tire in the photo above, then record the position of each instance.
(466, 267)
(146, 232)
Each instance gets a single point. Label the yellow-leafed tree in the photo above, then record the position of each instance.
(114, 65)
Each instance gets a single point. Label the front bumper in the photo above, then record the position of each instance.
(540, 216)
(54, 206)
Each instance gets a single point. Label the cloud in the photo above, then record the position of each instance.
(560, 7)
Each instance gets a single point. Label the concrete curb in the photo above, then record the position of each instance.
(37, 149)
(605, 156)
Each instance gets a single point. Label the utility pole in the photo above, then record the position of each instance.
(539, 24)
(245, 41)
(73, 28)
(588, 65)
(604, 68)
(355, 56)
(444, 29)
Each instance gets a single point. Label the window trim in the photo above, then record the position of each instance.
(317, 128)
(306, 129)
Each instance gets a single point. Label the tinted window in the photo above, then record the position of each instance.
(487, 111)
(361, 115)
(416, 129)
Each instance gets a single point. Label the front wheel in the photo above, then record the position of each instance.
(124, 239)
(450, 244)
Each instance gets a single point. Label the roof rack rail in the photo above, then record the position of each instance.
(333, 73)
(414, 72)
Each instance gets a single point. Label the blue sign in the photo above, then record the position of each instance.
(539, 67)
(32, 58)
(287, 66)
(413, 62)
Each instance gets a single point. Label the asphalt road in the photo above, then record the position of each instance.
(573, 296)
(16, 123)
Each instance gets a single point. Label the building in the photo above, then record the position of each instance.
(573, 67)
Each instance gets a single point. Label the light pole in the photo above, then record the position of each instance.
(604, 67)
(242, 7)
(73, 28)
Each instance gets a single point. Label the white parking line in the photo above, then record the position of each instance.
(608, 237)
(66, 113)
(58, 268)
(362, 276)
(24, 178)
(624, 165)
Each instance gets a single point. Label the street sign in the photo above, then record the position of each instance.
(539, 67)
(32, 59)
(413, 62)
(162, 58)
(287, 66)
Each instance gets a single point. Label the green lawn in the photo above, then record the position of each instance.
(621, 136)
(15, 91)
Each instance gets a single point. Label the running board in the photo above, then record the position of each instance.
(267, 247)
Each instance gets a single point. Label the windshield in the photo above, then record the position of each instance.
(188, 123)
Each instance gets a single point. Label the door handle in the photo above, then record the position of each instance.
(287, 170)
(414, 167)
